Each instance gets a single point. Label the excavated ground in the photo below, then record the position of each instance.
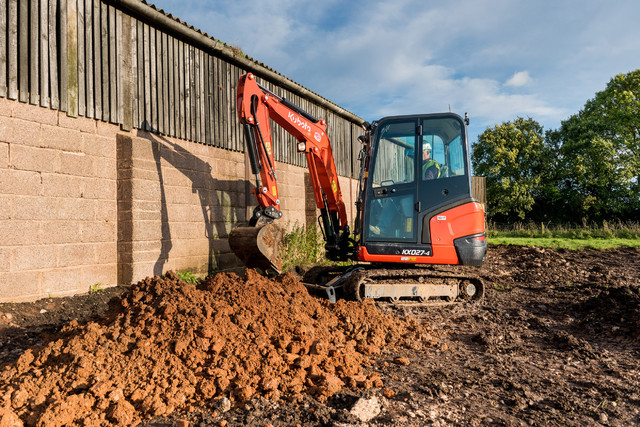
(556, 341)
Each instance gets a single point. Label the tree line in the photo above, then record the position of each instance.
(587, 170)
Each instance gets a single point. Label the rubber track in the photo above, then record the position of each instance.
(414, 275)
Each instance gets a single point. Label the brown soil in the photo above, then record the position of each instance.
(556, 341)
(168, 346)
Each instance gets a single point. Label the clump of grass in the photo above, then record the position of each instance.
(95, 288)
(302, 246)
(188, 277)
(501, 288)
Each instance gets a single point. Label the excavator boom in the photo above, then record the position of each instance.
(256, 244)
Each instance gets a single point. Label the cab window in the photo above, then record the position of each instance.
(442, 150)
(395, 156)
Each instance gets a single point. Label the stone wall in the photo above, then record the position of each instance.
(83, 203)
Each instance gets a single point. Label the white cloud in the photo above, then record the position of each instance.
(376, 57)
(521, 78)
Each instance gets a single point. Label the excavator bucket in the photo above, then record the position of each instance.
(258, 246)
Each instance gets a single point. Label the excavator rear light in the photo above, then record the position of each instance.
(302, 147)
(471, 250)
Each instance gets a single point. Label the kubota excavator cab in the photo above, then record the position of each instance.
(415, 200)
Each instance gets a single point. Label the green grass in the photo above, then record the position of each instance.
(587, 236)
(501, 288)
(573, 244)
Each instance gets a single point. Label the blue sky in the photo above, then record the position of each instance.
(496, 59)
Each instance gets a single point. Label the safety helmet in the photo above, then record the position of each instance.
(426, 146)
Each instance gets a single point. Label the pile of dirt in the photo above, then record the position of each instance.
(605, 284)
(166, 345)
(614, 311)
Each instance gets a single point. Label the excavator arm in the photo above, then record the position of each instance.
(257, 244)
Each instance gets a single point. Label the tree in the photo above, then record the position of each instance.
(601, 150)
(513, 158)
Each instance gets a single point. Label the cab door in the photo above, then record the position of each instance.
(391, 195)
(444, 135)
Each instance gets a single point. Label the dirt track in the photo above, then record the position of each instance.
(556, 341)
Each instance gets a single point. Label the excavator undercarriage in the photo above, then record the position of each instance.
(397, 284)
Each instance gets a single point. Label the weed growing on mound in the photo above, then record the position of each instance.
(188, 277)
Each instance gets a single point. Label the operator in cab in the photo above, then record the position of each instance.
(430, 168)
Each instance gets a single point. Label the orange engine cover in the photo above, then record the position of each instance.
(460, 221)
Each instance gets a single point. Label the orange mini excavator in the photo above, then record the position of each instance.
(414, 206)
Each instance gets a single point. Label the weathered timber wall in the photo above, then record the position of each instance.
(126, 63)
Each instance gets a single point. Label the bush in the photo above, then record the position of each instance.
(302, 245)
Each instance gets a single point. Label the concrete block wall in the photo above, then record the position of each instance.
(57, 203)
(178, 201)
(82, 203)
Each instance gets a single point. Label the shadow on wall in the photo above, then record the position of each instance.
(215, 198)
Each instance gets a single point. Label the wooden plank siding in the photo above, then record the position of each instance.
(12, 45)
(81, 38)
(97, 60)
(104, 58)
(34, 58)
(23, 47)
(140, 79)
(93, 59)
(88, 64)
(3, 50)
(479, 189)
(63, 71)
(72, 58)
